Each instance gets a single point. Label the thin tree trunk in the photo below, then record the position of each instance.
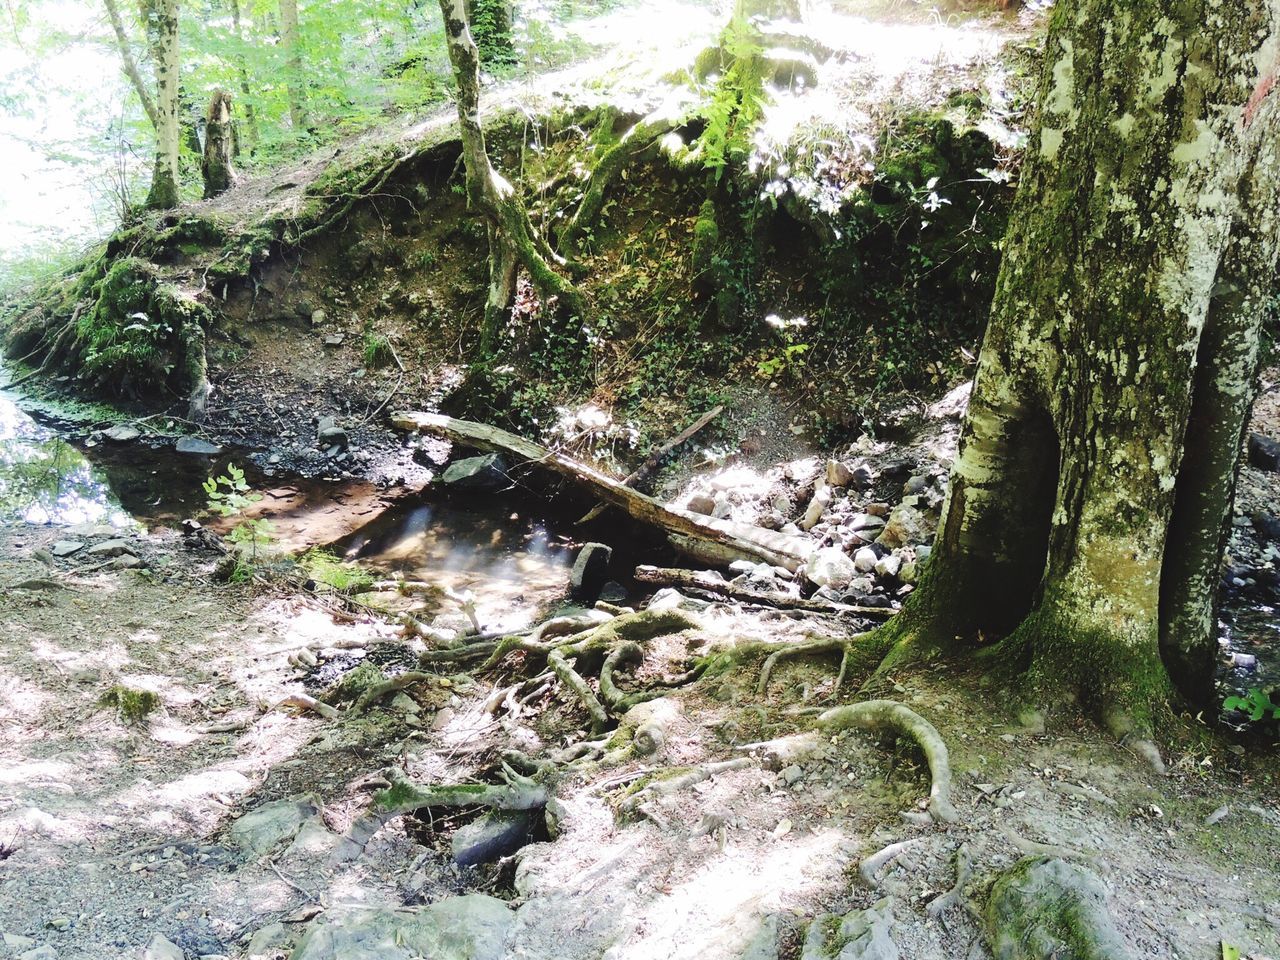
(250, 116)
(512, 238)
(162, 38)
(218, 172)
(294, 78)
(1120, 240)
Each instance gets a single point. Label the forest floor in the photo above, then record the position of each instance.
(231, 825)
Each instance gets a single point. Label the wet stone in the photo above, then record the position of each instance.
(122, 433)
(197, 446)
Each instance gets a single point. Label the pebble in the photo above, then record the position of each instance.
(59, 923)
(791, 774)
(865, 560)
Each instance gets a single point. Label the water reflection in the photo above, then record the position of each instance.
(44, 480)
(505, 557)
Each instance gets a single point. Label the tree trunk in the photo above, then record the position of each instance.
(217, 170)
(250, 115)
(162, 37)
(512, 239)
(1144, 223)
(294, 77)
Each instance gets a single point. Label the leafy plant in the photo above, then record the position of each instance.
(376, 350)
(1256, 704)
(229, 495)
(322, 566)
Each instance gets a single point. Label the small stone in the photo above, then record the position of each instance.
(791, 774)
(330, 435)
(197, 446)
(491, 837)
(318, 318)
(122, 433)
(442, 719)
(59, 923)
(483, 474)
(15, 942)
(865, 522)
(830, 567)
(701, 503)
(334, 340)
(865, 560)
(161, 947)
(44, 952)
(65, 548)
(888, 566)
(838, 473)
(915, 485)
(404, 703)
(112, 548)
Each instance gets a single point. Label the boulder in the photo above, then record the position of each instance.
(483, 474)
(258, 831)
(472, 927)
(830, 567)
(1046, 907)
(491, 837)
(65, 548)
(590, 571)
(1264, 453)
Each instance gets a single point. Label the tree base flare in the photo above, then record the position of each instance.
(1048, 909)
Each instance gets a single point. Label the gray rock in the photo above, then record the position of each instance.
(473, 927)
(329, 434)
(1264, 453)
(859, 587)
(590, 570)
(862, 478)
(318, 318)
(922, 552)
(613, 592)
(112, 548)
(65, 548)
(258, 831)
(195, 445)
(906, 526)
(865, 560)
(122, 433)
(491, 837)
(830, 567)
(266, 939)
(483, 474)
(764, 945)
(889, 566)
(858, 935)
(791, 774)
(723, 507)
(916, 484)
(43, 952)
(669, 598)
(334, 340)
(161, 947)
(17, 942)
(865, 522)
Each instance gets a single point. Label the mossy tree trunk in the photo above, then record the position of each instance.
(1089, 501)
(512, 238)
(160, 25)
(216, 168)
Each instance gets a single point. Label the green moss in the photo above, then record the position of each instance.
(325, 567)
(131, 706)
(356, 682)
(706, 237)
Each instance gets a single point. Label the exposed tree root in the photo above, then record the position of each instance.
(305, 702)
(955, 896)
(892, 717)
(379, 691)
(870, 868)
(558, 662)
(863, 649)
(683, 781)
(405, 796)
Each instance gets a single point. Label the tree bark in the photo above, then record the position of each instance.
(217, 170)
(250, 115)
(512, 240)
(161, 18)
(294, 77)
(1148, 193)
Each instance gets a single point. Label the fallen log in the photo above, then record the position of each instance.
(642, 471)
(710, 583)
(726, 539)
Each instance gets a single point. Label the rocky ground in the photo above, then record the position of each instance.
(232, 820)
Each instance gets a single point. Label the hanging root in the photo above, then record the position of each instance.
(893, 717)
(405, 796)
(854, 650)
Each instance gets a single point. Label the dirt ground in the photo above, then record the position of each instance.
(113, 832)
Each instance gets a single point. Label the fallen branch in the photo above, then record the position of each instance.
(712, 583)
(690, 531)
(891, 716)
(631, 479)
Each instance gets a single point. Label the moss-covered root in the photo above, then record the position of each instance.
(1045, 908)
(860, 651)
(682, 781)
(405, 796)
(570, 677)
(891, 716)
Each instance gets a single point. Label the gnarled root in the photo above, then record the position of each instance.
(404, 796)
(1046, 908)
(861, 649)
(955, 896)
(683, 781)
(893, 717)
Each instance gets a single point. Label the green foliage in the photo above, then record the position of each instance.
(1256, 704)
(131, 706)
(737, 100)
(325, 567)
(229, 495)
(376, 350)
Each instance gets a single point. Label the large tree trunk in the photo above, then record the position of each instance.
(162, 37)
(294, 77)
(250, 138)
(216, 168)
(1145, 221)
(512, 239)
